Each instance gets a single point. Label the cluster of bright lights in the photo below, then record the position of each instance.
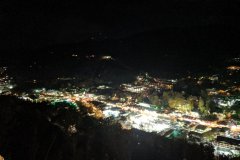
(147, 123)
(134, 115)
(233, 68)
(5, 82)
(138, 118)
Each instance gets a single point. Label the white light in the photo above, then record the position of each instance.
(144, 105)
(10, 87)
(110, 113)
(107, 57)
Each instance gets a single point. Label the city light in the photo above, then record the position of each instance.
(127, 108)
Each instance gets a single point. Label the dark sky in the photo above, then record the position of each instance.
(194, 24)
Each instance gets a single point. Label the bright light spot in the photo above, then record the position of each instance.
(74, 55)
(144, 105)
(111, 113)
(106, 58)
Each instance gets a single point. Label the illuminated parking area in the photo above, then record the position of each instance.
(144, 120)
(147, 123)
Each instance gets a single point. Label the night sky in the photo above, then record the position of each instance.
(209, 26)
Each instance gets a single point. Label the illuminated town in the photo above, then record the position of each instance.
(167, 107)
(120, 80)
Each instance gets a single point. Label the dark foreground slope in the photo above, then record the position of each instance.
(37, 131)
